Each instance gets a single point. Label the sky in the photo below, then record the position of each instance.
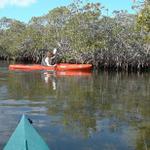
(24, 10)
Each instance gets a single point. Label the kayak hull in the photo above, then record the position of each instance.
(58, 67)
(25, 137)
(74, 67)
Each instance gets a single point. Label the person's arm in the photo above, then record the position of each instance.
(53, 57)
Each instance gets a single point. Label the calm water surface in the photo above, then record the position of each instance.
(97, 112)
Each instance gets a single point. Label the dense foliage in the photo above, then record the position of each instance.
(82, 35)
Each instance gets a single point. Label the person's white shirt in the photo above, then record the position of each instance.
(47, 61)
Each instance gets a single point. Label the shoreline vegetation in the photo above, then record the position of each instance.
(82, 35)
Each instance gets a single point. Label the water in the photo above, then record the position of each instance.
(102, 111)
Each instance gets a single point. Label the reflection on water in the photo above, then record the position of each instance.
(102, 111)
(50, 78)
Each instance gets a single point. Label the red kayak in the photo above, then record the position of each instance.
(58, 67)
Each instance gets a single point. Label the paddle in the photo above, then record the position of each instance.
(55, 52)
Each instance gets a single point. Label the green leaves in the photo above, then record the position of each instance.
(143, 19)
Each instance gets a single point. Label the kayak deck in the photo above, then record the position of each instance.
(25, 137)
(58, 67)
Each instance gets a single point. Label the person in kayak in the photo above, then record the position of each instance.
(49, 59)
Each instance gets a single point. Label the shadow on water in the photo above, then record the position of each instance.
(102, 111)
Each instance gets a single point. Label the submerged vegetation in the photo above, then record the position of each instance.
(82, 35)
